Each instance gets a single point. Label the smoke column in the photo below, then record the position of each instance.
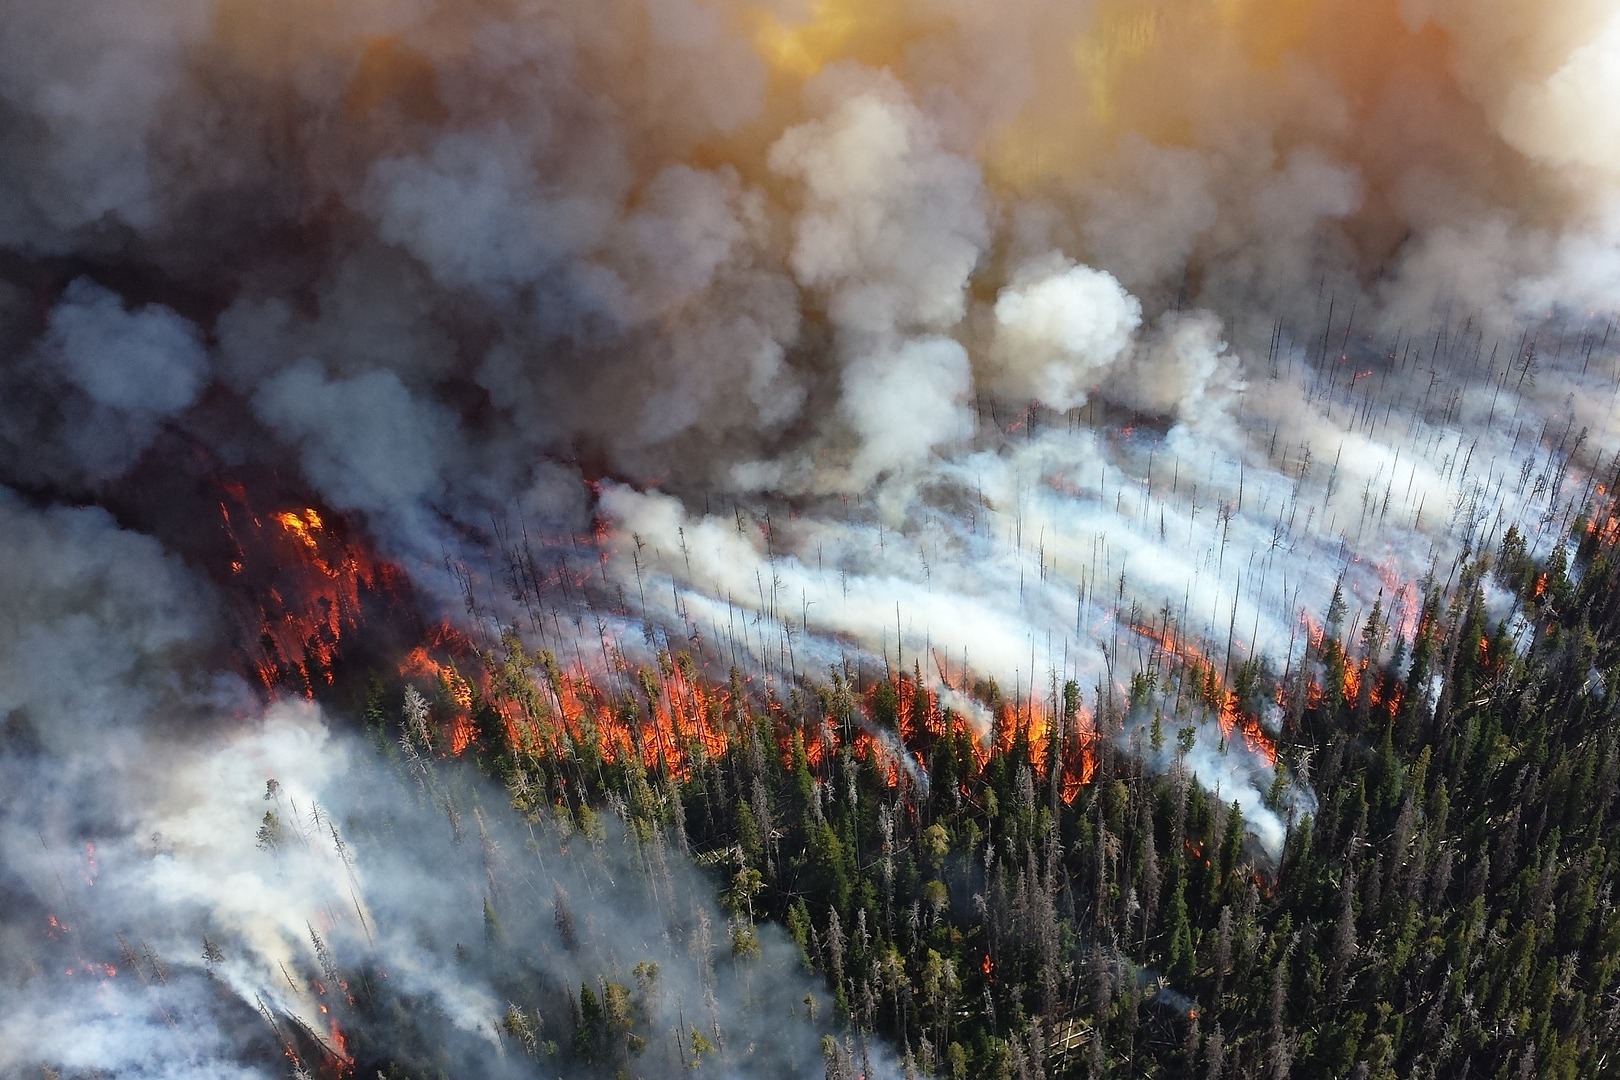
(1036, 342)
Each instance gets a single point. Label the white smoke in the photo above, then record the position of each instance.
(1058, 327)
(994, 337)
(892, 223)
(904, 403)
(151, 809)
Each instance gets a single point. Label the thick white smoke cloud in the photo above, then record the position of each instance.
(100, 622)
(892, 223)
(105, 378)
(630, 234)
(90, 80)
(149, 360)
(1301, 294)
(1056, 555)
(904, 403)
(150, 809)
(1568, 120)
(1058, 327)
(366, 442)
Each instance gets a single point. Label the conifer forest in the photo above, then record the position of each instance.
(809, 539)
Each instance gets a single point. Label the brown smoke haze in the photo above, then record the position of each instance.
(970, 337)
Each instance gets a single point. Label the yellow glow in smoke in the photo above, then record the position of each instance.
(1123, 33)
(875, 34)
(1267, 29)
(804, 48)
(1146, 68)
(1046, 142)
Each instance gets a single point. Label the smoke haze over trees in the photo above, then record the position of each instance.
(919, 522)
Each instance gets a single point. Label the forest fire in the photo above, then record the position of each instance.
(614, 411)
(339, 1048)
(93, 969)
(306, 525)
(881, 755)
(304, 584)
(1027, 726)
(1197, 673)
(1606, 531)
(1357, 681)
(1403, 609)
(423, 663)
(1352, 680)
(548, 712)
(677, 719)
(1032, 726)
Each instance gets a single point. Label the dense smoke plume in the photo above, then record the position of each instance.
(1031, 342)
(178, 909)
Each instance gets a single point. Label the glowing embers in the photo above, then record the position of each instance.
(1197, 673)
(671, 719)
(58, 931)
(304, 584)
(332, 1039)
(1355, 683)
(93, 969)
(434, 662)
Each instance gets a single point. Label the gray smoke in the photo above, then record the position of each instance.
(993, 337)
(186, 872)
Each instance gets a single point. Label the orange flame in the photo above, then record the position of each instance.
(1199, 671)
(1403, 606)
(881, 755)
(1608, 532)
(305, 525)
(308, 585)
(1359, 677)
(461, 734)
(93, 968)
(1033, 724)
(1352, 681)
(339, 1046)
(676, 719)
(421, 663)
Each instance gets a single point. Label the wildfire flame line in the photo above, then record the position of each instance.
(1200, 673)
(307, 583)
(676, 719)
